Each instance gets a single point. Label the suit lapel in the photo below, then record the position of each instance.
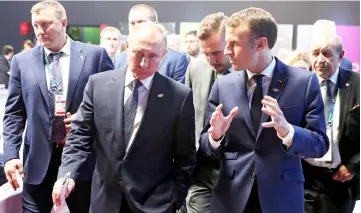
(278, 82)
(116, 93)
(241, 88)
(344, 89)
(38, 66)
(77, 59)
(206, 79)
(156, 106)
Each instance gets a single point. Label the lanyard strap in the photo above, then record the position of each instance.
(48, 69)
(332, 109)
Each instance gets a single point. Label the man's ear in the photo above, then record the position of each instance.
(127, 44)
(342, 53)
(64, 23)
(165, 52)
(261, 43)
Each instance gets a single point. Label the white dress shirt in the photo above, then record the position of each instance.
(143, 94)
(251, 85)
(333, 151)
(64, 65)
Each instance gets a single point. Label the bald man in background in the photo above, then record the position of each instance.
(174, 64)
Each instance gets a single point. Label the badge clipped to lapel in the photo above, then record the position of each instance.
(60, 104)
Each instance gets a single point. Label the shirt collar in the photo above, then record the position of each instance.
(65, 49)
(129, 78)
(231, 69)
(268, 71)
(333, 78)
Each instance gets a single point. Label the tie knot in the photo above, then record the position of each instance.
(55, 56)
(258, 79)
(136, 84)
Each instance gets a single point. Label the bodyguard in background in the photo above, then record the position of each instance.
(174, 64)
(58, 69)
(201, 75)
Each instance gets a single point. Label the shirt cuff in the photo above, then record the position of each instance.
(215, 144)
(287, 141)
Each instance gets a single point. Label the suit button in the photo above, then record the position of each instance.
(49, 138)
(296, 153)
(253, 174)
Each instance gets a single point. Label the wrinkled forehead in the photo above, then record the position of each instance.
(141, 41)
(44, 14)
(322, 44)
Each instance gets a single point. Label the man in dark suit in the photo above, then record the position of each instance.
(200, 76)
(5, 58)
(143, 138)
(332, 182)
(280, 120)
(174, 64)
(57, 69)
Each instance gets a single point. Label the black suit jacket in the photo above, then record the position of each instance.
(154, 174)
(349, 143)
(349, 126)
(4, 69)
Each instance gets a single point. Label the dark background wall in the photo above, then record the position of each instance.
(112, 12)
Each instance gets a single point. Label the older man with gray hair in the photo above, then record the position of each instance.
(332, 182)
(143, 137)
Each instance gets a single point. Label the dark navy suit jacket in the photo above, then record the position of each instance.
(246, 154)
(28, 104)
(154, 174)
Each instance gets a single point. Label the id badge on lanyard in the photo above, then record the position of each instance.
(59, 97)
(329, 131)
(60, 104)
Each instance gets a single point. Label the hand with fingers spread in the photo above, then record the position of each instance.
(10, 171)
(57, 190)
(278, 121)
(219, 123)
(343, 174)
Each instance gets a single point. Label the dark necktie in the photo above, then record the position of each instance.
(56, 86)
(256, 104)
(130, 109)
(330, 90)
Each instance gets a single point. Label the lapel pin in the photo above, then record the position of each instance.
(81, 56)
(160, 95)
(275, 90)
(347, 84)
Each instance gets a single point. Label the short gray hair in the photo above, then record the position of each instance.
(58, 8)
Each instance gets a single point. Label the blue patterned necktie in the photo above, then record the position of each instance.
(56, 87)
(130, 109)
